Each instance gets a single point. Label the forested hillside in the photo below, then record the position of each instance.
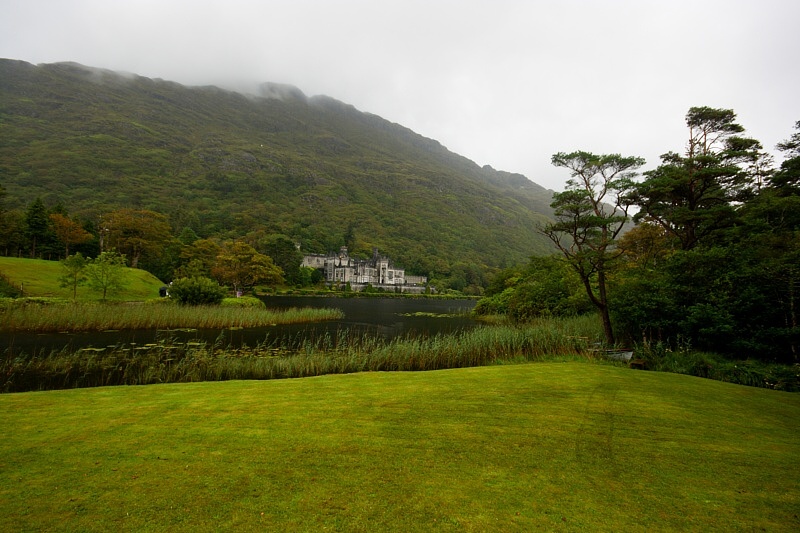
(221, 164)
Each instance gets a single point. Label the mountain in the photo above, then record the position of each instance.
(227, 164)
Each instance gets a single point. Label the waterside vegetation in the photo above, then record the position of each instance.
(29, 315)
(168, 361)
(296, 357)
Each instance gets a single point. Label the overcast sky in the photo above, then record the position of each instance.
(503, 82)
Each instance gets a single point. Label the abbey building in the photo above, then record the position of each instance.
(378, 271)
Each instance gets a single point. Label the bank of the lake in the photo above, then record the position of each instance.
(317, 317)
(46, 317)
(366, 335)
(310, 355)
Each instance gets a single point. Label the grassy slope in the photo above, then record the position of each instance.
(543, 446)
(40, 278)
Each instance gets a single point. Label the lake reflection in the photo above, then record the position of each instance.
(385, 317)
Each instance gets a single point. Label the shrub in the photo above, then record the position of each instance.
(680, 358)
(545, 288)
(244, 301)
(7, 289)
(197, 291)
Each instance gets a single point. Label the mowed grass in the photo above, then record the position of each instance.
(40, 278)
(527, 447)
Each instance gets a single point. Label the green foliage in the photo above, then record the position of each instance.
(41, 278)
(307, 276)
(74, 273)
(53, 315)
(244, 301)
(241, 266)
(546, 287)
(693, 196)
(37, 227)
(680, 358)
(12, 233)
(285, 255)
(314, 170)
(197, 291)
(106, 274)
(734, 300)
(7, 289)
(136, 233)
(198, 258)
(787, 179)
(730, 286)
(590, 214)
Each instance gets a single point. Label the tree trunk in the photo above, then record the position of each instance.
(603, 307)
(792, 311)
(600, 301)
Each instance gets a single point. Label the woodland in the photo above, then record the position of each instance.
(703, 251)
(713, 262)
(204, 163)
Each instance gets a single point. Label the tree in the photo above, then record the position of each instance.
(787, 179)
(240, 265)
(590, 214)
(12, 232)
(37, 224)
(284, 253)
(68, 231)
(771, 232)
(106, 272)
(645, 246)
(731, 290)
(74, 273)
(198, 258)
(12, 228)
(693, 196)
(135, 232)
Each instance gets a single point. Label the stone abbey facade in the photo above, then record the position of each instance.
(378, 271)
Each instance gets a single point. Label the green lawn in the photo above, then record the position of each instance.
(530, 447)
(38, 277)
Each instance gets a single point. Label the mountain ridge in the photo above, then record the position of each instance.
(227, 164)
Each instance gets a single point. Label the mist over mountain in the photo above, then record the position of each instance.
(226, 164)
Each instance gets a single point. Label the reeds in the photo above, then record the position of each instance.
(343, 352)
(43, 318)
(680, 358)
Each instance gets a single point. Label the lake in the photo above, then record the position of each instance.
(384, 317)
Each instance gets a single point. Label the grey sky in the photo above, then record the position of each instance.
(502, 82)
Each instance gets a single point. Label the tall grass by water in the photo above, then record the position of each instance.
(680, 358)
(340, 353)
(32, 316)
